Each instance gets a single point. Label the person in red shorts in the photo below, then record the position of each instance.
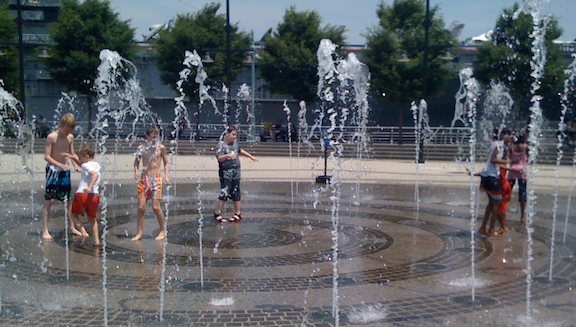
(86, 198)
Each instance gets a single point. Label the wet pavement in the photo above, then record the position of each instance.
(393, 265)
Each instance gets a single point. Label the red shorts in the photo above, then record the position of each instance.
(88, 202)
(506, 193)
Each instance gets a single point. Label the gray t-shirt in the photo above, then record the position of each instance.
(226, 148)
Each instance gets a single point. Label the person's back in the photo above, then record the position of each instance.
(492, 168)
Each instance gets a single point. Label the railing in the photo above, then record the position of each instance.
(374, 134)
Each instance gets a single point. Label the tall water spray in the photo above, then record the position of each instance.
(8, 112)
(472, 88)
(118, 97)
(423, 134)
(538, 62)
(342, 88)
(569, 88)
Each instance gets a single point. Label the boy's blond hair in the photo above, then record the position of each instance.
(68, 120)
(87, 150)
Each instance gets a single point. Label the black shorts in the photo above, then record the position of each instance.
(229, 185)
(491, 185)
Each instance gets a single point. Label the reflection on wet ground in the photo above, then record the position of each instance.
(274, 268)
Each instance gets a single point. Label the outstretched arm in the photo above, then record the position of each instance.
(246, 154)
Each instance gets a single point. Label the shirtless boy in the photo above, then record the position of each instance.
(152, 154)
(58, 171)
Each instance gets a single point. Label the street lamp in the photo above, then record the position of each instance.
(426, 48)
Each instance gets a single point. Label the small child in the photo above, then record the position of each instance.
(229, 171)
(86, 198)
(152, 154)
(58, 185)
(490, 183)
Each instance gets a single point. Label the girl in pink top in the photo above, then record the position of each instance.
(519, 161)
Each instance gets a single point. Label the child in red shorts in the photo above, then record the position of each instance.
(87, 198)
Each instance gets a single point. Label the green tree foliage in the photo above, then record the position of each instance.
(289, 61)
(82, 30)
(9, 58)
(401, 30)
(507, 59)
(205, 32)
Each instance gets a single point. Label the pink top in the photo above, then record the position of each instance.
(521, 164)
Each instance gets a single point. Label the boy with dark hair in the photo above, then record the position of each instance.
(152, 154)
(229, 171)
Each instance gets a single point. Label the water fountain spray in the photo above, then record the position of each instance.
(569, 86)
(289, 123)
(538, 62)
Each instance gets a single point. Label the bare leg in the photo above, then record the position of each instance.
(495, 206)
(140, 219)
(71, 224)
(237, 207)
(161, 221)
(45, 217)
(487, 211)
(94, 226)
(75, 221)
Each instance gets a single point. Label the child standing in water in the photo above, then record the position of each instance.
(58, 185)
(229, 172)
(519, 159)
(86, 198)
(152, 154)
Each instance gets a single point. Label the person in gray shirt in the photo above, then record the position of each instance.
(227, 153)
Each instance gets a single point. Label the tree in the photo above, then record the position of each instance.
(289, 61)
(400, 31)
(507, 59)
(204, 32)
(80, 33)
(9, 57)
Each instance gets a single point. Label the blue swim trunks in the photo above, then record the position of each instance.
(58, 185)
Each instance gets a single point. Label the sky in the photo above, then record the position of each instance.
(357, 16)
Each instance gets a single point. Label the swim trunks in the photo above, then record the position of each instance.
(58, 185)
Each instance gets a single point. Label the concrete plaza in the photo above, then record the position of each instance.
(398, 263)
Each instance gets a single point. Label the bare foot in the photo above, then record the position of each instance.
(494, 234)
(138, 237)
(46, 236)
(502, 230)
(97, 243)
(84, 241)
(482, 232)
(160, 236)
(84, 233)
(523, 220)
(76, 232)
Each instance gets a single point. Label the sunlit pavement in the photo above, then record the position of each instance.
(397, 264)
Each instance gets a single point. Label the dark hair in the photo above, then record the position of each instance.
(152, 129)
(505, 131)
(231, 129)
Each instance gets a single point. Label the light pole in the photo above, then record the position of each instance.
(427, 24)
(21, 61)
(252, 132)
(229, 115)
